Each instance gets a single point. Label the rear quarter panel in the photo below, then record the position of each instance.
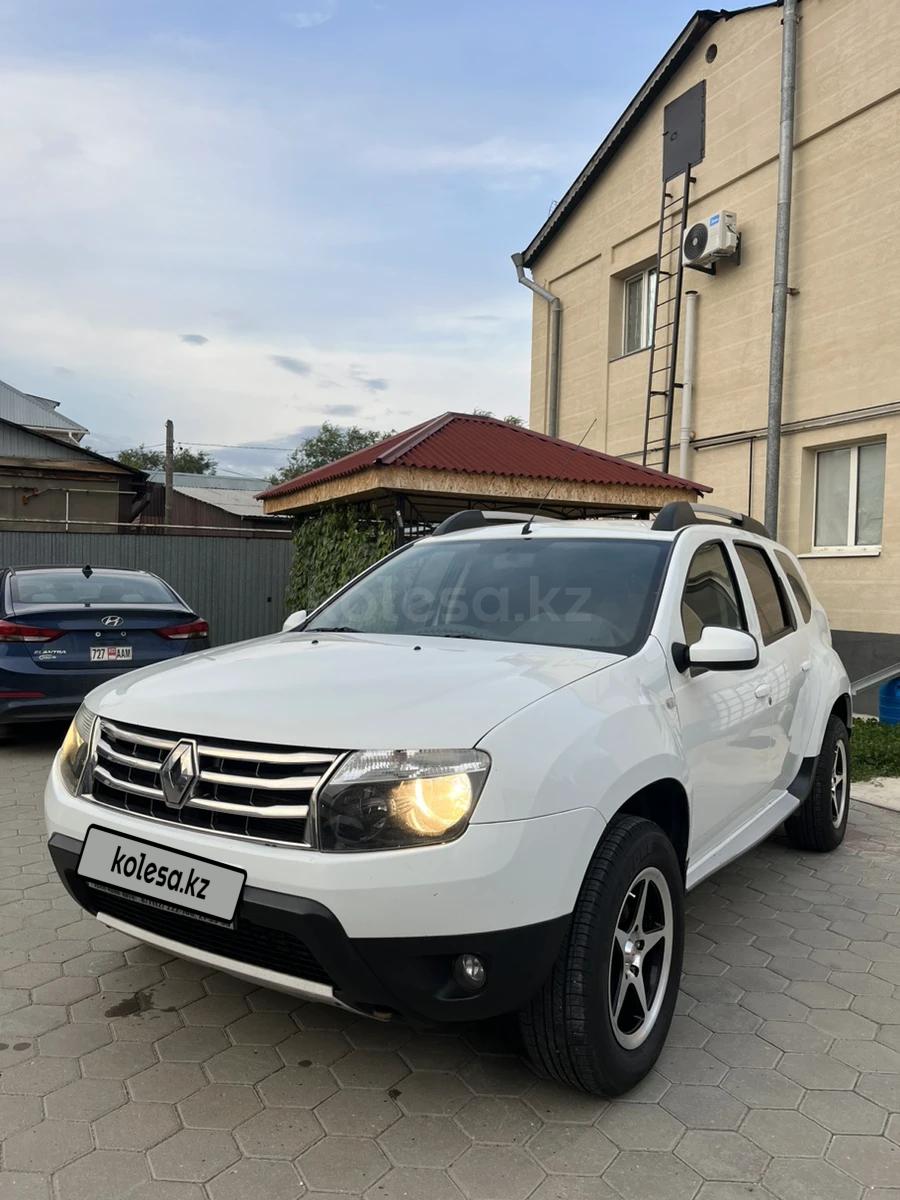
(827, 677)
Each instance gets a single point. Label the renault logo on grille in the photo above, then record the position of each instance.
(112, 621)
(179, 773)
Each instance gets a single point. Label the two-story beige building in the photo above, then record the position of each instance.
(840, 472)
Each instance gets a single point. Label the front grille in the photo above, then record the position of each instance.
(244, 941)
(250, 791)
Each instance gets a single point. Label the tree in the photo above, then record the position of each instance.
(330, 443)
(511, 420)
(190, 462)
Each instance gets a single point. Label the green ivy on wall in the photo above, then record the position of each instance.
(330, 548)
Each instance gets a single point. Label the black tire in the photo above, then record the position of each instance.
(821, 821)
(568, 1027)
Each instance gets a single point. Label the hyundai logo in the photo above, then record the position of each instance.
(178, 774)
(112, 622)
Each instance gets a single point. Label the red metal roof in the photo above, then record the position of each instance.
(476, 445)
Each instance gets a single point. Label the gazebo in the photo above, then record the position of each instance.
(414, 479)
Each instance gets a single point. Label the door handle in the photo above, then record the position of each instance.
(763, 691)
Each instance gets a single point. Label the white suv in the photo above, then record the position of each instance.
(476, 781)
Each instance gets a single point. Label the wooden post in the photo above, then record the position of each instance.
(169, 462)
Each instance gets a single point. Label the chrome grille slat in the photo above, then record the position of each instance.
(126, 760)
(298, 783)
(271, 812)
(139, 739)
(132, 789)
(265, 797)
(275, 757)
(289, 758)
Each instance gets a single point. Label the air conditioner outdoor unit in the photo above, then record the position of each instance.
(706, 241)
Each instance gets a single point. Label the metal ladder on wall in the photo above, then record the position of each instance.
(661, 382)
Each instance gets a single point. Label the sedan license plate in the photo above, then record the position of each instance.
(111, 653)
(161, 874)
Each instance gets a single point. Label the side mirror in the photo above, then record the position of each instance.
(721, 649)
(294, 621)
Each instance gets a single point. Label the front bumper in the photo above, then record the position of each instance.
(498, 875)
(297, 945)
(379, 931)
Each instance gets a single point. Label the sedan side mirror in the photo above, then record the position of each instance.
(294, 621)
(721, 649)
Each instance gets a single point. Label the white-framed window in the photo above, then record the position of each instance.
(637, 310)
(849, 497)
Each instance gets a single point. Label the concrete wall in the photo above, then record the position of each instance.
(843, 352)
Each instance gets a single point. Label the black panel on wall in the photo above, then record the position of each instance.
(684, 131)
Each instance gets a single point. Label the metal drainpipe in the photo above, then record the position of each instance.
(782, 252)
(552, 398)
(687, 385)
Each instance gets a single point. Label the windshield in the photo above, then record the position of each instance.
(102, 587)
(593, 593)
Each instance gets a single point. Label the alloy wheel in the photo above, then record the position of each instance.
(641, 958)
(838, 784)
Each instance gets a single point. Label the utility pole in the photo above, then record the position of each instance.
(782, 249)
(169, 463)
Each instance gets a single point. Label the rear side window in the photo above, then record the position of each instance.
(710, 595)
(801, 595)
(102, 587)
(775, 617)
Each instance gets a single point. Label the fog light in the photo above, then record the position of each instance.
(470, 972)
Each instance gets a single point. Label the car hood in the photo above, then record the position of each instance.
(344, 691)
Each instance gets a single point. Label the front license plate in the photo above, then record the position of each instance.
(180, 879)
(111, 653)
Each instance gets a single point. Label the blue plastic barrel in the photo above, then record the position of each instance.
(889, 703)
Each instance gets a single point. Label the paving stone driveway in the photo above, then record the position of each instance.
(125, 1073)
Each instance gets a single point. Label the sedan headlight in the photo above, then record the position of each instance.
(75, 749)
(388, 799)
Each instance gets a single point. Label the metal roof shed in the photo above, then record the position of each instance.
(462, 460)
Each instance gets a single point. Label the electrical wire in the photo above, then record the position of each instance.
(218, 446)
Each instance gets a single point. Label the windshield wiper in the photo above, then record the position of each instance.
(475, 637)
(332, 629)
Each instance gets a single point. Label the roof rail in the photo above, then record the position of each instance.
(477, 518)
(679, 513)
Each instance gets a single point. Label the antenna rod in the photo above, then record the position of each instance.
(526, 528)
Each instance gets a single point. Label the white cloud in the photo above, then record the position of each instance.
(140, 205)
(489, 156)
(150, 182)
(313, 17)
(231, 392)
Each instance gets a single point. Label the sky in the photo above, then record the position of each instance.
(255, 215)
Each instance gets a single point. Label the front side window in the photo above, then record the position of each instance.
(593, 593)
(849, 496)
(775, 617)
(798, 587)
(710, 594)
(640, 300)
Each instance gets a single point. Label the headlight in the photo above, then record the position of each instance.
(387, 799)
(75, 749)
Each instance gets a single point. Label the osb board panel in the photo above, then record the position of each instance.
(364, 484)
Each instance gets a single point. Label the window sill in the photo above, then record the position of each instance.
(629, 354)
(843, 552)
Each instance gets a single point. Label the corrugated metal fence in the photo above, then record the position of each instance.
(237, 584)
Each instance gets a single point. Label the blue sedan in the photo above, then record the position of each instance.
(64, 630)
